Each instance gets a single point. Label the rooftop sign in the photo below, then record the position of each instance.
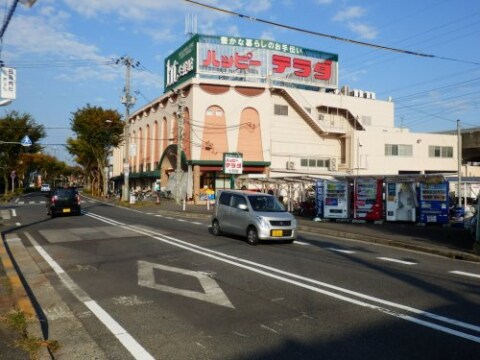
(253, 60)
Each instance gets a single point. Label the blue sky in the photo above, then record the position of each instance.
(62, 50)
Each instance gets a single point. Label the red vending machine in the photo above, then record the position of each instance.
(368, 199)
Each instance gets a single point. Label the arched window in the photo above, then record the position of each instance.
(250, 136)
(156, 142)
(165, 134)
(214, 139)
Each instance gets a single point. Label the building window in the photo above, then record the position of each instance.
(398, 150)
(440, 151)
(281, 110)
(315, 163)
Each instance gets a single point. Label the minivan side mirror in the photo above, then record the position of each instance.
(243, 207)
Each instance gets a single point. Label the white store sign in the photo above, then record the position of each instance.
(8, 83)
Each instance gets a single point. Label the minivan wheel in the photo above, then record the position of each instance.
(216, 228)
(252, 236)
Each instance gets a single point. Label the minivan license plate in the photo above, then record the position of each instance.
(277, 232)
(66, 210)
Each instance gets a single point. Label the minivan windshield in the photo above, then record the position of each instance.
(265, 203)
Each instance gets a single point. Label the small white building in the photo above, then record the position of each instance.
(278, 106)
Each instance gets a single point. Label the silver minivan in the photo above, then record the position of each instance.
(257, 216)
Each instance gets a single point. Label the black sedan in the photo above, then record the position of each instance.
(63, 201)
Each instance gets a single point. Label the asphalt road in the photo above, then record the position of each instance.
(146, 285)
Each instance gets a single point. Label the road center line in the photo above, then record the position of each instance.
(456, 272)
(397, 261)
(343, 251)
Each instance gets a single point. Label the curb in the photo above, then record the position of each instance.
(458, 255)
(22, 299)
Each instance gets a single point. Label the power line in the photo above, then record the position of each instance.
(333, 37)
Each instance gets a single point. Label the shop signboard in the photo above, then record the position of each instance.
(233, 163)
(8, 83)
(181, 65)
(253, 60)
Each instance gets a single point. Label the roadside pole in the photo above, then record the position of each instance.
(477, 232)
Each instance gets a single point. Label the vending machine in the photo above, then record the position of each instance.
(336, 199)
(368, 199)
(319, 197)
(434, 201)
(401, 201)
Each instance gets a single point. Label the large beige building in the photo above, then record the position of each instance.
(279, 107)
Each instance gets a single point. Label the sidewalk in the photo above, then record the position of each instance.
(444, 241)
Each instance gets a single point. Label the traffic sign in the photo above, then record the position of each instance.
(26, 141)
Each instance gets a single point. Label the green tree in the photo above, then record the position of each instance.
(13, 127)
(97, 130)
(52, 170)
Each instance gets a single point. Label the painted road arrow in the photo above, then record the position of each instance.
(212, 291)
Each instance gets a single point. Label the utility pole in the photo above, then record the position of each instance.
(459, 155)
(8, 17)
(179, 171)
(128, 101)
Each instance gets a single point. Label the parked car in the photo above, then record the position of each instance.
(45, 188)
(63, 201)
(257, 216)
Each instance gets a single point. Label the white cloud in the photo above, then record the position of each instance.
(208, 28)
(46, 36)
(363, 30)
(233, 31)
(267, 35)
(324, 2)
(140, 10)
(257, 6)
(352, 12)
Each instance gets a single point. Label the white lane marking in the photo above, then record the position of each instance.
(21, 202)
(16, 200)
(31, 202)
(14, 212)
(465, 274)
(397, 261)
(292, 278)
(181, 220)
(159, 215)
(301, 243)
(168, 217)
(343, 251)
(211, 293)
(18, 224)
(196, 223)
(135, 349)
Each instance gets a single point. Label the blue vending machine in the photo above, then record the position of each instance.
(319, 197)
(433, 204)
